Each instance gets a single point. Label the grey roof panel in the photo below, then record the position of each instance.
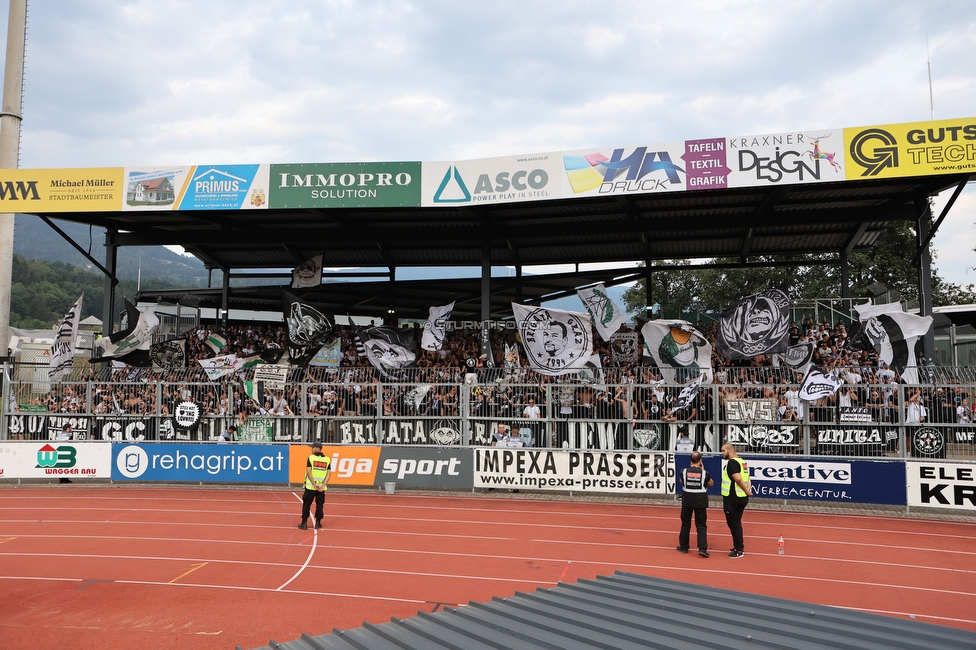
(628, 610)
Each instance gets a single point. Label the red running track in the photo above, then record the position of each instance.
(97, 567)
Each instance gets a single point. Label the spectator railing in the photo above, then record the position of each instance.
(757, 409)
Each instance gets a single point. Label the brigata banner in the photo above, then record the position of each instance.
(210, 463)
(912, 149)
(61, 190)
(346, 185)
(941, 485)
(55, 460)
(816, 479)
(575, 471)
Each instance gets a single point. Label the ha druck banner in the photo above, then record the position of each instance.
(574, 471)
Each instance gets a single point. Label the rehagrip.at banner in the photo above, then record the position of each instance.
(574, 471)
(238, 463)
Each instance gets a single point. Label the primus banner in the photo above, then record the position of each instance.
(577, 471)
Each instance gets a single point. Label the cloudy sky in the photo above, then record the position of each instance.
(160, 82)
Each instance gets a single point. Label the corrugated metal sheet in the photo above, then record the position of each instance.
(626, 610)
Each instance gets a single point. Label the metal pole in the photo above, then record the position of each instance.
(10, 121)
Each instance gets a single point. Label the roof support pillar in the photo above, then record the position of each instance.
(108, 295)
(485, 269)
(224, 298)
(845, 276)
(648, 287)
(924, 258)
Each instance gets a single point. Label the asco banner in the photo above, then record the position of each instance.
(211, 463)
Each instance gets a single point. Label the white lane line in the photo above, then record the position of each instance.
(913, 615)
(311, 552)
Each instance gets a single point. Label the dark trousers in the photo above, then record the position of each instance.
(318, 498)
(697, 504)
(733, 517)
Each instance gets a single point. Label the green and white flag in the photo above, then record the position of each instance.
(216, 342)
(605, 315)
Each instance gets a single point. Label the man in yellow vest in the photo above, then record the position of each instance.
(316, 483)
(736, 488)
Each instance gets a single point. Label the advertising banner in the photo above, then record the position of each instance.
(624, 170)
(210, 463)
(226, 187)
(426, 467)
(346, 185)
(61, 190)
(155, 188)
(577, 471)
(786, 158)
(41, 426)
(55, 460)
(912, 149)
(352, 465)
(816, 479)
(492, 180)
(941, 485)
(706, 164)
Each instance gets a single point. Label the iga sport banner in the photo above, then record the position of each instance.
(576, 471)
(420, 467)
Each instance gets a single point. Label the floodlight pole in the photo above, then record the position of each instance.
(10, 119)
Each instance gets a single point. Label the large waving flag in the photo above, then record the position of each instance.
(389, 349)
(556, 342)
(435, 327)
(756, 325)
(605, 315)
(308, 274)
(308, 328)
(63, 350)
(678, 349)
(130, 345)
(220, 366)
(893, 334)
(818, 384)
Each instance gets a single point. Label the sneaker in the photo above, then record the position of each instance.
(681, 549)
(736, 554)
(703, 552)
(303, 526)
(318, 524)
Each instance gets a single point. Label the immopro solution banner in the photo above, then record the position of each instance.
(346, 185)
(577, 471)
(210, 463)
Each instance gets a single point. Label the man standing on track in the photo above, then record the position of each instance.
(316, 483)
(695, 482)
(736, 488)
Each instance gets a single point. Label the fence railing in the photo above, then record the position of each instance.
(758, 409)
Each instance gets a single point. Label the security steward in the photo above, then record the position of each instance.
(736, 488)
(316, 483)
(695, 482)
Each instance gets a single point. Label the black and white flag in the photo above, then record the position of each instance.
(168, 355)
(678, 349)
(63, 350)
(130, 345)
(605, 316)
(308, 274)
(756, 325)
(308, 328)
(435, 327)
(556, 342)
(389, 349)
(798, 357)
(893, 334)
(593, 374)
(817, 385)
(688, 393)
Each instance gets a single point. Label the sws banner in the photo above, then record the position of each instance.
(210, 463)
(577, 471)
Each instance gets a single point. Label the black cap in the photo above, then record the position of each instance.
(316, 445)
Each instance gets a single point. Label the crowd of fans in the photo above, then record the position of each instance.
(503, 389)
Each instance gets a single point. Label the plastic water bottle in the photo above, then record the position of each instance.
(782, 546)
